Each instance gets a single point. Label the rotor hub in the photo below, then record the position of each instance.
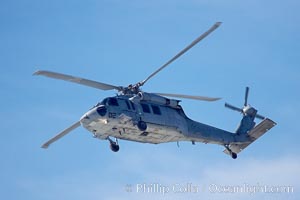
(248, 110)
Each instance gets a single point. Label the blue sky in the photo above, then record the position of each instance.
(122, 42)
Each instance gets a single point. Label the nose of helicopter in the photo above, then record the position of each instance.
(93, 115)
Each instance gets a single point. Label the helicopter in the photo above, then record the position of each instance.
(155, 118)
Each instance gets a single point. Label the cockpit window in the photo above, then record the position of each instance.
(146, 108)
(103, 102)
(113, 102)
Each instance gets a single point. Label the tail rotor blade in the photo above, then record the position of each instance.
(60, 135)
(260, 117)
(246, 96)
(246, 109)
(233, 107)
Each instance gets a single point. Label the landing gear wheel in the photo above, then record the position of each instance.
(233, 155)
(142, 125)
(114, 147)
(229, 151)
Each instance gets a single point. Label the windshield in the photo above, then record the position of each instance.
(103, 102)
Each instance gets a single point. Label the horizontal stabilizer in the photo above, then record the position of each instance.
(254, 134)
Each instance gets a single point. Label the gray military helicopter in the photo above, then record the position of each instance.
(139, 116)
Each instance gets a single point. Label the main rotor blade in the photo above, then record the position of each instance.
(60, 135)
(246, 96)
(233, 107)
(82, 81)
(200, 98)
(214, 27)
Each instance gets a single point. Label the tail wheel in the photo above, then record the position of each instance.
(233, 155)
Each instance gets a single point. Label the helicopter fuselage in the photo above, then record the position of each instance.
(120, 117)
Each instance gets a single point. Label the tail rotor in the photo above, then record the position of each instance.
(246, 109)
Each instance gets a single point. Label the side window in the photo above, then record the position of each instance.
(113, 102)
(156, 110)
(146, 108)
